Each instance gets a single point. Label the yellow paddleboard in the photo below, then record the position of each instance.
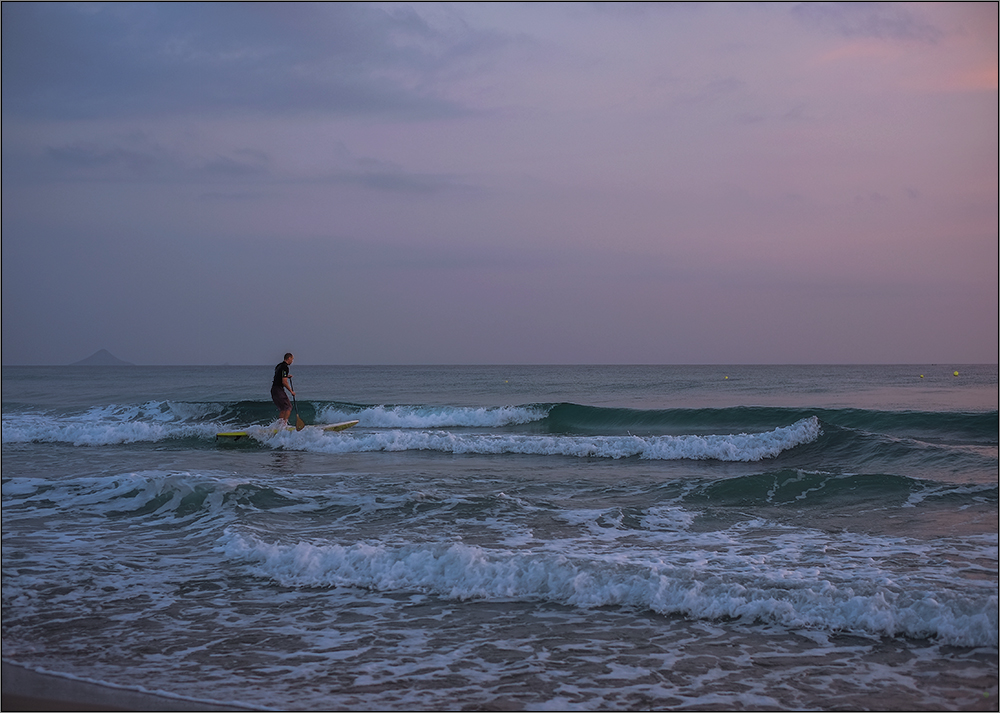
(339, 426)
(237, 435)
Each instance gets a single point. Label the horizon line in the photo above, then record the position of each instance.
(531, 364)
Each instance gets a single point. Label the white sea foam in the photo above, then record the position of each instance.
(737, 447)
(160, 420)
(104, 426)
(435, 416)
(752, 588)
(166, 490)
(400, 428)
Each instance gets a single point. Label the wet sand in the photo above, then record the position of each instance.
(26, 690)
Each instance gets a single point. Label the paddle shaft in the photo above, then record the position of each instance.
(299, 423)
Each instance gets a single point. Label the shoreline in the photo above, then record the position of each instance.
(28, 690)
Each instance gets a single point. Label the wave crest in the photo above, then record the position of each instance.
(738, 447)
(795, 595)
(384, 416)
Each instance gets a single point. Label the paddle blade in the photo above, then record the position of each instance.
(299, 423)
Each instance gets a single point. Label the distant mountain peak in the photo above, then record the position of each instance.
(102, 358)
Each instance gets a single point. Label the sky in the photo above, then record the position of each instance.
(513, 183)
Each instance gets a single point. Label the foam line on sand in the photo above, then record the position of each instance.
(28, 690)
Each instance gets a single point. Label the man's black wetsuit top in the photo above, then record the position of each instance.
(280, 372)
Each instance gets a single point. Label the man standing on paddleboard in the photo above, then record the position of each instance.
(278, 386)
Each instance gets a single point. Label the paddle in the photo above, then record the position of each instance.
(299, 423)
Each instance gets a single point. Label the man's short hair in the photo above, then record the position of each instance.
(289, 354)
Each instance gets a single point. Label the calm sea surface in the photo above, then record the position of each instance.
(598, 537)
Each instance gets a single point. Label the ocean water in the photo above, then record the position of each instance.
(509, 538)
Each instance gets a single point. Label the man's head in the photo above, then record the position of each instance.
(289, 358)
